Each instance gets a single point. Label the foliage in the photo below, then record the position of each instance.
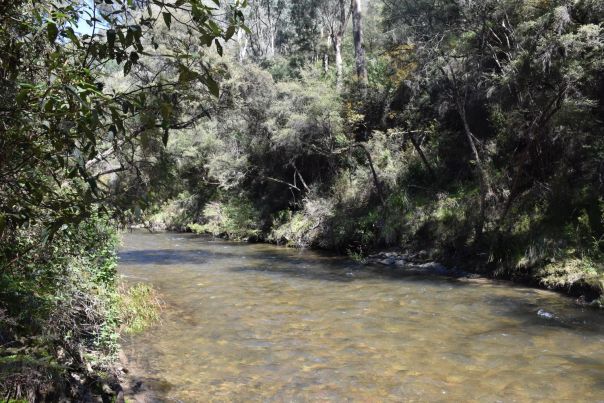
(235, 219)
(139, 307)
(58, 309)
(477, 137)
(67, 131)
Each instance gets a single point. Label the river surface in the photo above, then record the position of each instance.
(254, 322)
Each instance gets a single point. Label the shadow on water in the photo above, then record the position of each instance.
(348, 273)
(326, 268)
(172, 256)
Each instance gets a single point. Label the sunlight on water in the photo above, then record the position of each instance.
(258, 322)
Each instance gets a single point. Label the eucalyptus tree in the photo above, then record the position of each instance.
(359, 47)
(335, 15)
(265, 19)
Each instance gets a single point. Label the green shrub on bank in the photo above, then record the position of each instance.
(57, 310)
(306, 227)
(565, 273)
(176, 214)
(235, 219)
(61, 311)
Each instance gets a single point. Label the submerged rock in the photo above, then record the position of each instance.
(401, 263)
(433, 267)
(388, 261)
(545, 314)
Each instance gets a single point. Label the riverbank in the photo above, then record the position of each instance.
(587, 292)
(567, 275)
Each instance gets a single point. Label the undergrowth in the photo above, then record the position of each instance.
(61, 313)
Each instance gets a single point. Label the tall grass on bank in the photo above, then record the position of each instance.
(139, 306)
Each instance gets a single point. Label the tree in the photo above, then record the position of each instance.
(59, 117)
(335, 15)
(359, 47)
(65, 128)
(265, 18)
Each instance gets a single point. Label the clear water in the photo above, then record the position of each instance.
(250, 322)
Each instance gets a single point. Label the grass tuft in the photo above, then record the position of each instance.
(139, 307)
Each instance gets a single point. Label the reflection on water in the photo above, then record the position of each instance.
(257, 322)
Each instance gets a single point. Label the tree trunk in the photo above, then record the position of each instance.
(337, 46)
(376, 179)
(421, 154)
(485, 182)
(337, 35)
(271, 45)
(359, 48)
(242, 43)
(484, 179)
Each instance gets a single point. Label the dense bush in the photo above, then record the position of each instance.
(475, 138)
(59, 313)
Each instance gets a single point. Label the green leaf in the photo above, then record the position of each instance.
(111, 38)
(127, 67)
(49, 105)
(22, 95)
(129, 37)
(52, 31)
(229, 32)
(212, 86)
(165, 111)
(186, 74)
(218, 47)
(214, 27)
(72, 36)
(167, 19)
(206, 40)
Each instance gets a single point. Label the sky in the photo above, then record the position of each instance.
(83, 28)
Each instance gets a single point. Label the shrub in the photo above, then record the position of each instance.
(61, 312)
(236, 219)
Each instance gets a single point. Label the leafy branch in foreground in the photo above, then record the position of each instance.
(58, 116)
(65, 127)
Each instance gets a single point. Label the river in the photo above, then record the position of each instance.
(255, 322)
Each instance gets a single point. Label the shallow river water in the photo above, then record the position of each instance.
(254, 322)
